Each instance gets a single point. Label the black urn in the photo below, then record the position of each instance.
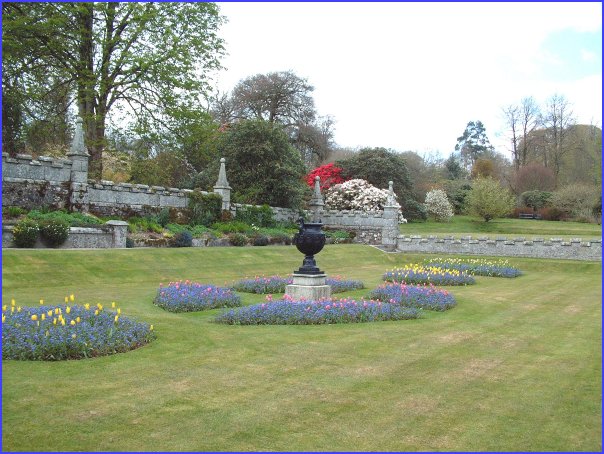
(309, 240)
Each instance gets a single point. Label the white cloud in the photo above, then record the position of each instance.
(409, 75)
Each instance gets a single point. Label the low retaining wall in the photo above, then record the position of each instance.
(555, 248)
(112, 234)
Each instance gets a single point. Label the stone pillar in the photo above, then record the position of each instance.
(78, 156)
(120, 232)
(222, 186)
(316, 203)
(390, 230)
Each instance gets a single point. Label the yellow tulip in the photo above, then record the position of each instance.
(4, 307)
(41, 302)
(57, 311)
(72, 323)
(3, 318)
(12, 302)
(49, 313)
(73, 336)
(100, 306)
(54, 321)
(67, 310)
(34, 317)
(78, 319)
(43, 317)
(62, 322)
(86, 306)
(119, 311)
(96, 312)
(66, 299)
(12, 309)
(116, 318)
(113, 305)
(72, 297)
(151, 327)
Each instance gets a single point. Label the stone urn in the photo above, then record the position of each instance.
(309, 240)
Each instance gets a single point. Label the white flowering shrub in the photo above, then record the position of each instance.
(438, 206)
(357, 195)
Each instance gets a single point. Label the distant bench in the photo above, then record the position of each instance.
(529, 216)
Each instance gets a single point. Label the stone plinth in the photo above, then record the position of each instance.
(308, 287)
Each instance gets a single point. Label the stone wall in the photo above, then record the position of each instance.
(554, 248)
(112, 234)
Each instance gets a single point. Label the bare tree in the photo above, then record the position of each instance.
(557, 120)
(529, 120)
(511, 114)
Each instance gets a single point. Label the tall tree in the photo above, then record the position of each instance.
(529, 121)
(145, 58)
(473, 143)
(511, 115)
(557, 121)
(281, 98)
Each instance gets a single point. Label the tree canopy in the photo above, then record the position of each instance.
(145, 59)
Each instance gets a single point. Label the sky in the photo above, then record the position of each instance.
(410, 76)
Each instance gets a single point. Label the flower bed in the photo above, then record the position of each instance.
(288, 312)
(420, 274)
(276, 284)
(187, 296)
(424, 297)
(69, 332)
(477, 267)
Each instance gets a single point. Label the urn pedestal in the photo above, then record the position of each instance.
(309, 280)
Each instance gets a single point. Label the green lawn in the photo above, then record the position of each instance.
(515, 366)
(467, 225)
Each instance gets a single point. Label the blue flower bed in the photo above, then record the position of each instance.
(276, 284)
(187, 296)
(69, 332)
(477, 267)
(287, 312)
(424, 297)
(420, 274)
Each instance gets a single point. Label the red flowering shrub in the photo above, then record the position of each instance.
(329, 175)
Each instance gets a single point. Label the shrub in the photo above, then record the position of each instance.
(429, 298)
(356, 194)
(576, 200)
(535, 199)
(414, 211)
(25, 233)
(260, 240)
(329, 175)
(419, 274)
(288, 312)
(163, 218)
(206, 209)
(551, 214)
(129, 242)
(187, 296)
(54, 232)
(13, 212)
(237, 239)
(145, 224)
(438, 206)
(489, 200)
(74, 219)
(182, 239)
(260, 216)
(476, 267)
(69, 332)
(232, 227)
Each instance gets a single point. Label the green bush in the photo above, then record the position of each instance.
(260, 216)
(163, 218)
(54, 232)
(535, 199)
(13, 212)
(146, 224)
(206, 209)
(414, 211)
(129, 243)
(232, 227)
(260, 240)
(182, 239)
(237, 239)
(25, 233)
(74, 219)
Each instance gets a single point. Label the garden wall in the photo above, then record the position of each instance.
(554, 248)
(112, 234)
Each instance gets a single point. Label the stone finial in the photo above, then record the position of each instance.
(78, 147)
(391, 199)
(316, 203)
(222, 179)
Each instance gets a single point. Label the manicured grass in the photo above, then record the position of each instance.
(467, 225)
(515, 366)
